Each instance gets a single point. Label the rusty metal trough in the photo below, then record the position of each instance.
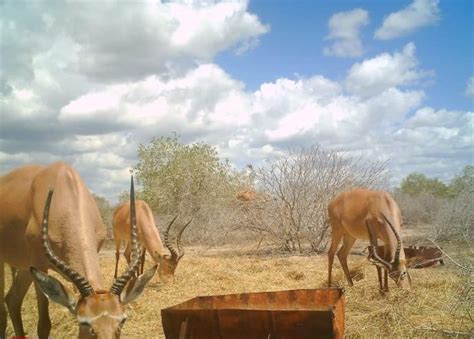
(298, 314)
(421, 256)
(424, 256)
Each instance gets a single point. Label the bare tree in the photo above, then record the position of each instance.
(294, 191)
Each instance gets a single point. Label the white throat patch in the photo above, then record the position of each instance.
(87, 320)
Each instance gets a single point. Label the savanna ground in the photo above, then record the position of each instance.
(440, 304)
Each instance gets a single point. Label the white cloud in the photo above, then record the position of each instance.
(207, 104)
(241, 123)
(344, 30)
(203, 30)
(436, 136)
(435, 142)
(170, 37)
(429, 117)
(67, 72)
(205, 96)
(138, 38)
(86, 144)
(94, 102)
(375, 75)
(391, 106)
(418, 14)
(470, 87)
(90, 96)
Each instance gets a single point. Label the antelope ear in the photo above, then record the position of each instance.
(136, 286)
(54, 289)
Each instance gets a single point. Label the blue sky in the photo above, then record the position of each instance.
(87, 82)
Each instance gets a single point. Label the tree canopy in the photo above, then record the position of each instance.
(417, 183)
(179, 177)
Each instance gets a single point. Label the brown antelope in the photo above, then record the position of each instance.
(67, 240)
(166, 257)
(365, 214)
(246, 195)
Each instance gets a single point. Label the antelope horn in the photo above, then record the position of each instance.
(169, 245)
(120, 283)
(396, 259)
(373, 255)
(79, 281)
(178, 240)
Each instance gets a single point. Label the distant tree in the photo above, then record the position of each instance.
(106, 210)
(454, 221)
(464, 182)
(448, 209)
(417, 183)
(189, 180)
(125, 195)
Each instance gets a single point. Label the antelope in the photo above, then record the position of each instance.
(68, 239)
(167, 258)
(366, 214)
(246, 195)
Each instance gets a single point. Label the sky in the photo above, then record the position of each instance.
(86, 82)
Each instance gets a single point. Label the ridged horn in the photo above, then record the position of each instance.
(396, 259)
(169, 245)
(82, 284)
(119, 284)
(373, 255)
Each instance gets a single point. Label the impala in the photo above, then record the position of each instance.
(66, 239)
(365, 214)
(167, 258)
(246, 195)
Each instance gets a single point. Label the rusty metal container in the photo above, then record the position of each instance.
(421, 256)
(298, 314)
(424, 256)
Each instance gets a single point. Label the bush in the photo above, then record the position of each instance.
(106, 212)
(420, 208)
(464, 182)
(454, 220)
(449, 209)
(419, 184)
(190, 181)
(294, 192)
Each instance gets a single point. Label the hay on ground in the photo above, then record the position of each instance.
(437, 302)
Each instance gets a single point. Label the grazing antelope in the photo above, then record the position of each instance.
(166, 257)
(365, 214)
(67, 240)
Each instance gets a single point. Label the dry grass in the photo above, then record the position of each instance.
(435, 302)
